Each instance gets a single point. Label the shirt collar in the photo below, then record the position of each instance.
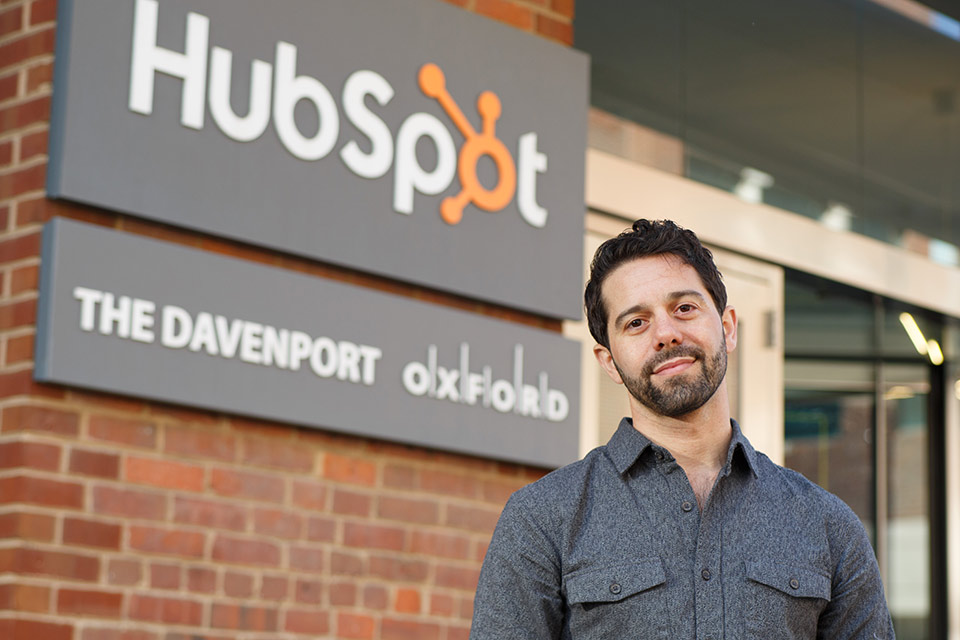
(627, 445)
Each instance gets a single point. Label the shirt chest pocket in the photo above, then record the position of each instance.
(610, 598)
(784, 600)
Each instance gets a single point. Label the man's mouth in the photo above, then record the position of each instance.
(674, 365)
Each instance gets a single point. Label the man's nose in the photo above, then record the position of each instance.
(667, 332)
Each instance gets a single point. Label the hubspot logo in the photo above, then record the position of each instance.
(485, 143)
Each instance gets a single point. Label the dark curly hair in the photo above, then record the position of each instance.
(647, 238)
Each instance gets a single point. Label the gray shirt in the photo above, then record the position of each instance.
(614, 546)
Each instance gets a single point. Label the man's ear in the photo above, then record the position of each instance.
(729, 320)
(605, 358)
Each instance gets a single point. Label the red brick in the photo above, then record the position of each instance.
(24, 279)
(418, 511)
(309, 591)
(372, 536)
(11, 21)
(94, 463)
(8, 86)
(24, 598)
(39, 77)
(164, 473)
(351, 503)
(208, 513)
(458, 633)
(399, 569)
(392, 629)
(351, 625)
(83, 602)
(33, 418)
(43, 11)
(291, 456)
(101, 633)
(375, 597)
(228, 616)
(237, 585)
(168, 541)
(343, 594)
(22, 181)
(451, 484)
(22, 114)
(41, 491)
(400, 477)
(307, 559)
(505, 11)
(39, 210)
(173, 635)
(277, 524)
(457, 577)
(321, 529)
(134, 433)
(274, 588)
(16, 629)
(22, 383)
(346, 564)
(441, 605)
(31, 455)
(165, 576)
(310, 621)
(124, 572)
(90, 533)
(242, 484)
(166, 610)
(19, 349)
(563, 7)
(352, 470)
(407, 601)
(309, 495)
(22, 313)
(472, 518)
(197, 443)
(554, 29)
(72, 566)
(27, 526)
(245, 551)
(129, 503)
(6, 153)
(30, 46)
(445, 545)
(201, 580)
(33, 145)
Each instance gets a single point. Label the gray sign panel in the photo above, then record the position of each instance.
(407, 138)
(137, 316)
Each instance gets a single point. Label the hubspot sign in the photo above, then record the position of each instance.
(409, 138)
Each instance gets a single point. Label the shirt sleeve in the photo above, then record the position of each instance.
(857, 608)
(519, 594)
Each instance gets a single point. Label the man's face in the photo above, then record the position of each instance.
(668, 343)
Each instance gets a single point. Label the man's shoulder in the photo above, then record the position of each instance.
(566, 484)
(802, 494)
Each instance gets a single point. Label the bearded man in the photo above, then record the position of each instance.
(677, 528)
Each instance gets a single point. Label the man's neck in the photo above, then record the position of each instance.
(699, 441)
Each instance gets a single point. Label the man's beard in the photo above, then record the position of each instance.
(678, 395)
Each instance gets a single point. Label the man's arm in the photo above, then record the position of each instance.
(519, 591)
(858, 608)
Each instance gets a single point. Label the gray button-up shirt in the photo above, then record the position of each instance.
(614, 546)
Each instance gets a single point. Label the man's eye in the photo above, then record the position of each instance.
(685, 308)
(635, 323)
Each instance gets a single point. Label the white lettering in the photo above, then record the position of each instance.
(204, 335)
(118, 315)
(531, 162)
(148, 58)
(228, 336)
(408, 174)
(359, 85)
(88, 306)
(416, 378)
(176, 327)
(323, 358)
(251, 342)
(248, 127)
(142, 320)
(289, 89)
(276, 347)
(300, 348)
(369, 356)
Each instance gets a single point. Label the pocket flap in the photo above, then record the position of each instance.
(614, 582)
(793, 580)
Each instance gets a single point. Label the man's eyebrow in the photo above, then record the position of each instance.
(675, 295)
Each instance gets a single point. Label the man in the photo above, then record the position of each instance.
(677, 528)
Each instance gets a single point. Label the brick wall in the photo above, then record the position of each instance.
(129, 520)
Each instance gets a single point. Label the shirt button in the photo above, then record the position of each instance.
(687, 506)
(660, 456)
(794, 583)
(705, 574)
(615, 588)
